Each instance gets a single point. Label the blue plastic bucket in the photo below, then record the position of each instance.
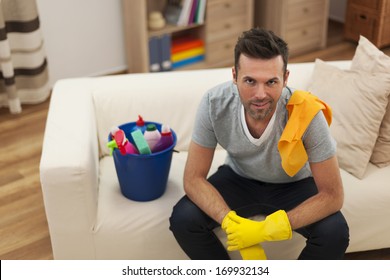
(143, 177)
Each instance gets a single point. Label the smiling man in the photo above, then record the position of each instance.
(296, 183)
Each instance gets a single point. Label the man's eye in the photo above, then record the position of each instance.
(271, 82)
(249, 81)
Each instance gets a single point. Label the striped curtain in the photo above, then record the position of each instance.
(23, 65)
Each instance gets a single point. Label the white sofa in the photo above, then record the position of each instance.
(88, 216)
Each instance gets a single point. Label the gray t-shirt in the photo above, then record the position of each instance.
(219, 120)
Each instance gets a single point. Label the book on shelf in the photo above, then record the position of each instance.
(165, 48)
(185, 43)
(200, 12)
(185, 13)
(160, 53)
(190, 12)
(186, 50)
(187, 54)
(187, 61)
(194, 8)
(154, 55)
(166, 53)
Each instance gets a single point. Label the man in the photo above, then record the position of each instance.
(248, 117)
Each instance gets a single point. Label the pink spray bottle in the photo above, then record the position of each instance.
(124, 145)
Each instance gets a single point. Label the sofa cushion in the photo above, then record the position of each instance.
(128, 229)
(370, 59)
(367, 203)
(359, 101)
(142, 228)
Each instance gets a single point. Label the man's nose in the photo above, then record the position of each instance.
(260, 92)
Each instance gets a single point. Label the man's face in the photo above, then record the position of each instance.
(260, 83)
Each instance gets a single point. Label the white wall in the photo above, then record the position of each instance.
(82, 37)
(337, 10)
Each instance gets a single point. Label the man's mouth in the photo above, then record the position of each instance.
(260, 105)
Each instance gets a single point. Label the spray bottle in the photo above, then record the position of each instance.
(124, 145)
(166, 139)
(152, 135)
(139, 124)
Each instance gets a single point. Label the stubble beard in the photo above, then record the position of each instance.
(259, 114)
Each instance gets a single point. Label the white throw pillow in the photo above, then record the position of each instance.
(370, 59)
(358, 100)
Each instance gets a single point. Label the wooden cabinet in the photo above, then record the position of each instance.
(224, 21)
(303, 24)
(370, 18)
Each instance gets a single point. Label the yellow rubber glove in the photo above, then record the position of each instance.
(255, 252)
(243, 233)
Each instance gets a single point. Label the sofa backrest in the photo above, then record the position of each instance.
(300, 73)
(168, 97)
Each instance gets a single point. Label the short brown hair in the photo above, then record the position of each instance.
(260, 43)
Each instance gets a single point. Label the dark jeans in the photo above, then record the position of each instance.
(193, 229)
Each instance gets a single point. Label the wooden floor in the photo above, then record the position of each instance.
(23, 227)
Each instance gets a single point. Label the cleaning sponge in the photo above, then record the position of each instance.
(140, 142)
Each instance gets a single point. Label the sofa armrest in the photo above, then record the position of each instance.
(69, 169)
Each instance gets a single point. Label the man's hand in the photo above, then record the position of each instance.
(243, 233)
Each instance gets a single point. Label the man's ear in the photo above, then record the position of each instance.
(234, 74)
(286, 75)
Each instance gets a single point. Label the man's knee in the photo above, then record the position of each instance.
(178, 215)
(332, 235)
(185, 215)
(327, 239)
(336, 231)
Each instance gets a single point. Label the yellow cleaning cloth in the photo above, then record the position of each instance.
(302, 107)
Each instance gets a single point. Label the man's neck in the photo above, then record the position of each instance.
(257, 127)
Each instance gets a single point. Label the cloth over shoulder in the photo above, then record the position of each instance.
(302, 107)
